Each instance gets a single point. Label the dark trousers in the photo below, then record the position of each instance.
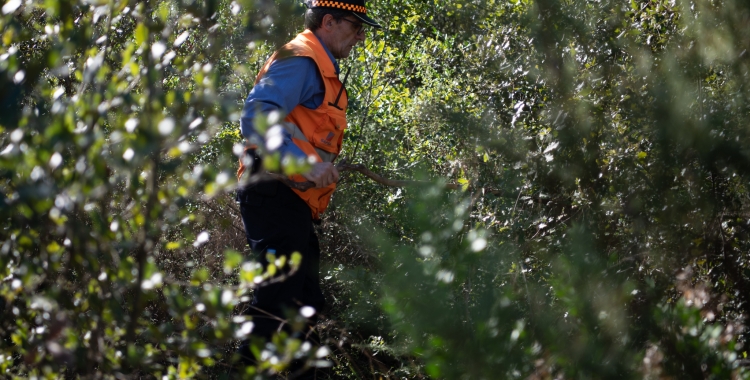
(276, 218)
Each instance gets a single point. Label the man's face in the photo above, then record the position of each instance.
(346, 33)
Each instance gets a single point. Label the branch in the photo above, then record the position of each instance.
(346, 167)
(384, 181)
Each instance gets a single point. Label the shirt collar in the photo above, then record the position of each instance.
(335, 63)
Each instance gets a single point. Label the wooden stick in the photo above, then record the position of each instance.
(346, 167)
(378, 178)
(403, 183)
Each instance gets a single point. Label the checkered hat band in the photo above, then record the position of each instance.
(336, 4)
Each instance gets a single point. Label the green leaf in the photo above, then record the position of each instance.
(141, 34)
(295, 261)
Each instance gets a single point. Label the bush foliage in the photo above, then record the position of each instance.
(600, 228)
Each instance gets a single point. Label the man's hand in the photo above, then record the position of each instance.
(323, 174)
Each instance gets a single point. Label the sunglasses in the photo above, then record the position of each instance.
(361, 26)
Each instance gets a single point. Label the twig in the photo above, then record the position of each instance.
(369, 101)
(209, 206)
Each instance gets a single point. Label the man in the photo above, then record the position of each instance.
(300, 80)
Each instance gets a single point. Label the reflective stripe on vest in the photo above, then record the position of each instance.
(296, 133)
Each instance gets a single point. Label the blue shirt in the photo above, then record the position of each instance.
(289, 82)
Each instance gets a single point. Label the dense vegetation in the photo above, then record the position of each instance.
(601, 228)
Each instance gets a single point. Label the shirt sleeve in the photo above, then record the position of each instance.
(288, 83)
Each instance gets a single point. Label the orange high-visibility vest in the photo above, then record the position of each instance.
(322, 129)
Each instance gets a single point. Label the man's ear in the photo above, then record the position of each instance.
(328, 22)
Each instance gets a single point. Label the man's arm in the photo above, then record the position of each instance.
(287, 83)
